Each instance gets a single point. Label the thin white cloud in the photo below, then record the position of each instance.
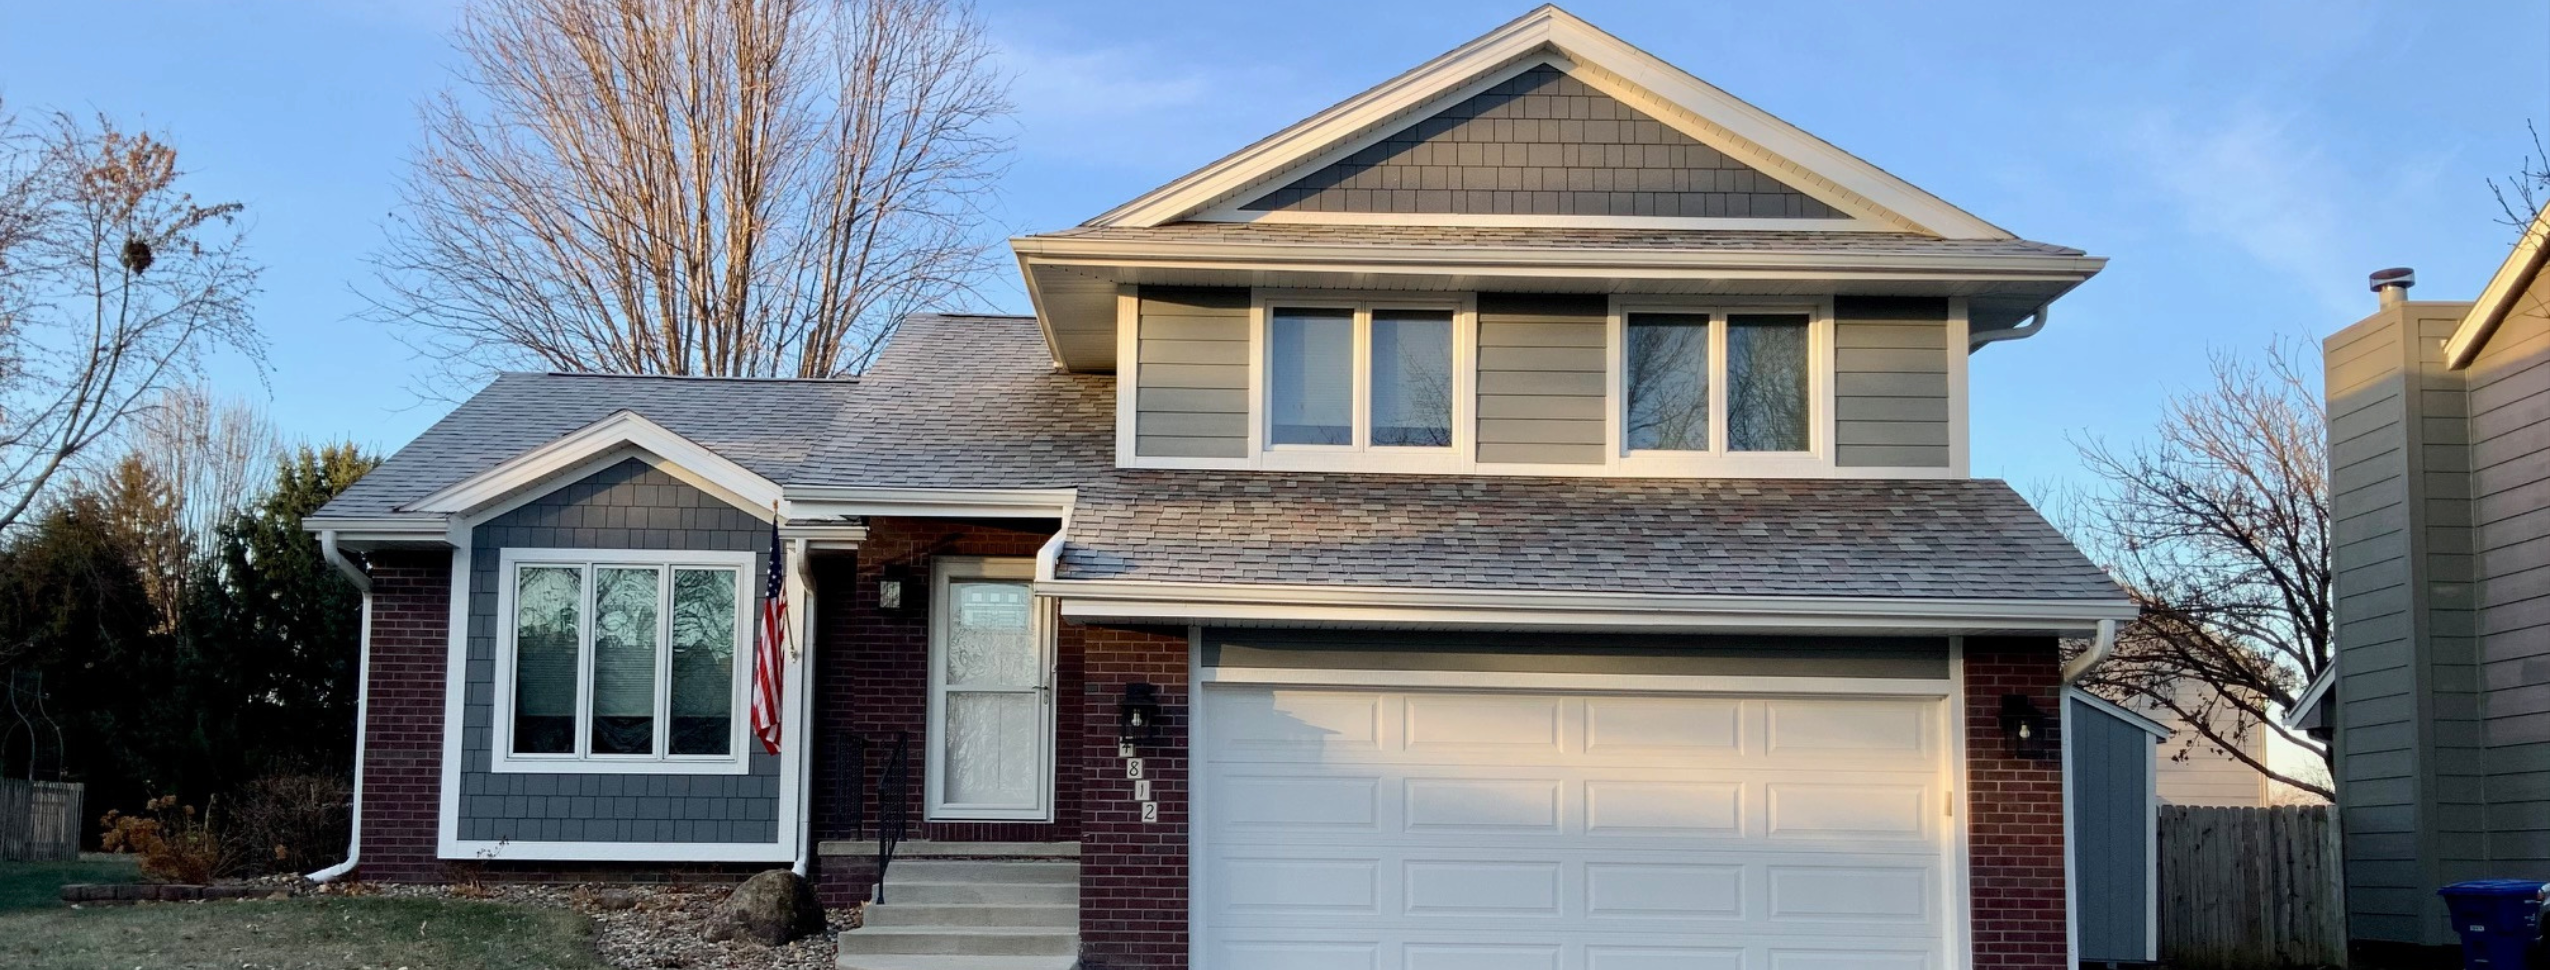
(2253, 179)
(1095, 84)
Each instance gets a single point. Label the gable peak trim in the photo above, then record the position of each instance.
(622, 434)
(2513, 277)
(1548, 33)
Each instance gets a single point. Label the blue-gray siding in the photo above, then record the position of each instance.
(2111, 775)
(1543, 143)
(630, 505)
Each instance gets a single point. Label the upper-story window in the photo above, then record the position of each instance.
(1717, 382)
(621, 661)
(1359, 376)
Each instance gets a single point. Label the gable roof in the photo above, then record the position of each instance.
(743, 420)
(2513, 278)
(1550, 36)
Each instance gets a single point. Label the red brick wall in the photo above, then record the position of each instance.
(403, 732)
(2015, 806)
(872, 680)
(1133, 874)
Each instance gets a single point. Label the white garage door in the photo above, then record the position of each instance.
(1376, 830)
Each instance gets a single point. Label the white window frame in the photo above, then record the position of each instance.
(737, 759)
(1041, 624)
(1718, 461)
(1361, 455)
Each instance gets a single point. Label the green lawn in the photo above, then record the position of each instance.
(308, 932)
(38, 885)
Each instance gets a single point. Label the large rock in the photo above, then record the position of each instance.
(770, 908)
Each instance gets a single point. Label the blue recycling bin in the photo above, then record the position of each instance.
(2497, 918)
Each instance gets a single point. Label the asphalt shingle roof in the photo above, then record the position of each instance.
(1505, 237)
(969, 402)
(754, 423)
(974, 402)
(1749, 537)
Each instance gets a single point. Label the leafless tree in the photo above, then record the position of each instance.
(2521, 195)
(115, 284)
(2219, 528)
(189, 463)
(713, 187)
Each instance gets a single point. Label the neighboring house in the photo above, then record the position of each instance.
(2439, 454)
(1525, 508)
(2195, 771)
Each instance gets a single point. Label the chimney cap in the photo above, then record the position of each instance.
(2399, 276)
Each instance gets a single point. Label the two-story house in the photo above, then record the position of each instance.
(1515, 518)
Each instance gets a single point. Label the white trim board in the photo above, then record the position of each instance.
(1773, 145)
(2512, 277)
(623, 430)
(1476, 680)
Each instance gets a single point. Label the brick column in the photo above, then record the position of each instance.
(403, 734)
(1133, 874)
(2014, 828)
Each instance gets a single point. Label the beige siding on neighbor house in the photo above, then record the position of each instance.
(1541, 374)
(1890, 382)
(2409, 768)
(1192, 395)
(2509, 510)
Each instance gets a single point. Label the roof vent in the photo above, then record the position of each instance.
(2393, 284)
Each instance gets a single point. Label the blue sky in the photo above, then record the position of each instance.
(2243, 164)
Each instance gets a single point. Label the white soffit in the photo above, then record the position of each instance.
(1550, 35)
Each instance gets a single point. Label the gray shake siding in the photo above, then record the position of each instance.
(1890, 382)
(1540, 381)
(2111, 768)
(2411, 771)
(1543, 143)
(630, 505)
(1192, 395)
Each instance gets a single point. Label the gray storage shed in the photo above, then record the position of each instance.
(2112, 838)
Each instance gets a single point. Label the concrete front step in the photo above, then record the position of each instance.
(981, 870)
(903, 913)
(907, 961)
(900, 891)
(960, 941)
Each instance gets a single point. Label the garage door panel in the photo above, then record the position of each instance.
(1571, 832)
(1802, 810)
(1677, 891)
(1458, 888)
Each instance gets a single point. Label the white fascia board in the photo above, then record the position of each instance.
(2311, 695)
(1546, 27)
(1546, 262)
(2513, 277)
(1144, 601)
(624, 429)
(806, 502)
(2111, 708)
(360, 532)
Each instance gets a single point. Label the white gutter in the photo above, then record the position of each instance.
(362, 704)
(1036, 251)
(2100, 646)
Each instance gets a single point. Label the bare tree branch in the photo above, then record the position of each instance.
(2219, 528)
(713, 187)
(114, 286)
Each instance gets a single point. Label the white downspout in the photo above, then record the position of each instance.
(362, 704)
(2100, 646)
(804, 570)
(2035, 323)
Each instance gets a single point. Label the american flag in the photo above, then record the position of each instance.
(767, 642)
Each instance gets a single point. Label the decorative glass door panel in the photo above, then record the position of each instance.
(991, 707)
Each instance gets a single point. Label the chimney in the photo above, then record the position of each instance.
(2393, 284)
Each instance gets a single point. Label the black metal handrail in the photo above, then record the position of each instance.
(893, 804)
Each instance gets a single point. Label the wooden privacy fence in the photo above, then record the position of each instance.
(39, 820)
(2250, 888)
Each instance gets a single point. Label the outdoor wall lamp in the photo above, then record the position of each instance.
(895, 589)
(1138, 715)
(2024, 725)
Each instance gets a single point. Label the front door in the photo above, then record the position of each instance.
(991, 698)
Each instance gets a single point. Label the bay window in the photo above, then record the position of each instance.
(621, 658)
